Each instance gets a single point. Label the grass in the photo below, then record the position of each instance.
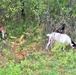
(41, 62)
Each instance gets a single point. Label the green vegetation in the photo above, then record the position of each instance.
(27, 23)
(37, 17)
(40, 62)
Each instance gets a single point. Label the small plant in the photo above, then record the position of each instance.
(7, 54)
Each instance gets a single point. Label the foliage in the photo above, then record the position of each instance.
(27, 23)
(34, 17)
(11, 69)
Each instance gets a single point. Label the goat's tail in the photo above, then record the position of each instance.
(73, 44)
(48, 35)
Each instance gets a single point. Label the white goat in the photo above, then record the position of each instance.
(62, 38)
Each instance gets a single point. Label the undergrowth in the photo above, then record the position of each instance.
(33, 59)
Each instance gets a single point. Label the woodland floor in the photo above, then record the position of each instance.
(36, 60)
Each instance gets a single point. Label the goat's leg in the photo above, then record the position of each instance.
(47, 45)
(3, 35)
